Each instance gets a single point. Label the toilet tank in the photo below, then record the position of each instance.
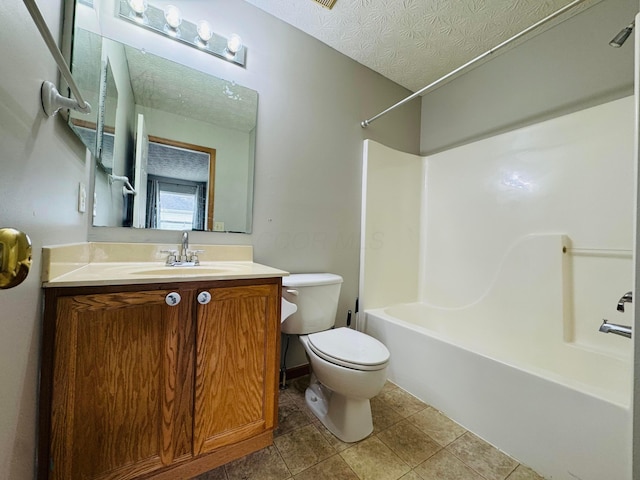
(316, 296)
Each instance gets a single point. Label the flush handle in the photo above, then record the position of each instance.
(173, 299)
(292, 292)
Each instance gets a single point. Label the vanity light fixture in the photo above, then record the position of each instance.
(168, 21)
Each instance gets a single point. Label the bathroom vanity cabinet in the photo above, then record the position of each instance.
(136, 384)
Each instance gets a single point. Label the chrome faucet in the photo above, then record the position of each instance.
(626, 298)
(186, 258)
(623, 330)
(184, 251)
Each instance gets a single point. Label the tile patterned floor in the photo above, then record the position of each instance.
(410, 441)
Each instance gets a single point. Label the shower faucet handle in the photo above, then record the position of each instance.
(626, 298)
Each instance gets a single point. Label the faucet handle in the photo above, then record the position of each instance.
(171, 256)
(193, 256)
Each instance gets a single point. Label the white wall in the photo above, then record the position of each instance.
(307, 194)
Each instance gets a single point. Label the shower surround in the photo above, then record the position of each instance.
(487, 270)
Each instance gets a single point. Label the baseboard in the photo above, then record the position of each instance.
(299, 371)
(291, 373)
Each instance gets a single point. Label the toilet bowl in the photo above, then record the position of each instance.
(348, 367)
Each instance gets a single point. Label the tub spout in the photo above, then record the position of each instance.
(626, 298)
(623, 330)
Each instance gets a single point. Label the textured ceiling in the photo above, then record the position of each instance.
(155, 82)
(415, 42)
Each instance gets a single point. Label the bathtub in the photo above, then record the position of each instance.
(502, 368)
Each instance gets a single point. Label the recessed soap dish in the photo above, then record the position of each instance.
(15, 257)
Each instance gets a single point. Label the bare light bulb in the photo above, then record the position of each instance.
(138, 6)
(172, 16)
(204, 32)
(234, 44)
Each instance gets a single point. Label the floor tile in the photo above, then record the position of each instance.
(284, 398)
(412, 475)
(402, 402)
(216, 474)
(290, 417)
(373, 460)
(265, 464)
(383, 416)
(388, 386)
(445, 466)
(333, 468)
(334, 441)
(303, 448)
(437, 426)
(524, 473)
(410, 444)
(482, 457)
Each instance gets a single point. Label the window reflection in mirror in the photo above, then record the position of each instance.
(180, 189)
(183, 107)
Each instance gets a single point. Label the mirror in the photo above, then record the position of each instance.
(184, 140)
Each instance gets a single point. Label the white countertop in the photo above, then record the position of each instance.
(76, 265)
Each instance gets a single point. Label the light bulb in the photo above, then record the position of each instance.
(173, 16)
(234, 44)
(138, 6)
(204, 31)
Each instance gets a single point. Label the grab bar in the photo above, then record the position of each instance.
(52, 101)
(598, 252)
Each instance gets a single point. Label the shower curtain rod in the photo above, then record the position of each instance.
(52, 101)
(366, 123)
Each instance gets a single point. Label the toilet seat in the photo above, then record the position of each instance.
(349, 348)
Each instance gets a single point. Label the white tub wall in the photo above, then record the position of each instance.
(571, 175)
(391, 211)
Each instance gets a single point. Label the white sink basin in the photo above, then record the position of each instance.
(194, 271)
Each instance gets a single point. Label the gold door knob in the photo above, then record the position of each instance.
(15, 257)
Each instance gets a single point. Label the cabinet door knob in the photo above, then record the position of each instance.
(204, 298)
(173, 298)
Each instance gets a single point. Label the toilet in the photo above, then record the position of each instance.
(348, 367)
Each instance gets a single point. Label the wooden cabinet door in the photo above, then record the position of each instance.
(120, 385)
(236, 365)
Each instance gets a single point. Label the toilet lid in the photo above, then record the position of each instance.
(349, 348)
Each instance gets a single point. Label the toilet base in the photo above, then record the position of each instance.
(347, 418)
